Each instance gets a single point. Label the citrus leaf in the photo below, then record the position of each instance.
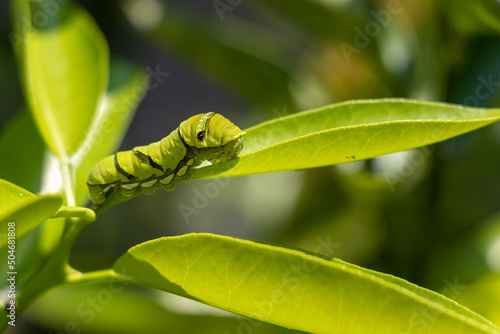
(64, 69)
(291, 288)
(346, 132)
(24, 209)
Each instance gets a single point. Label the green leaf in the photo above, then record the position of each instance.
(291, 288)
(127, 86)
(64, 66)
(483, 295)
(346, 132)
(24, 209)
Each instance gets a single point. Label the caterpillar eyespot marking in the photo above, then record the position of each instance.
(204, 137)
(201, 135)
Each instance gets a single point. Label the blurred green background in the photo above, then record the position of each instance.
(430, 215)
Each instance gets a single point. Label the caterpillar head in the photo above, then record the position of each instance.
(213, 136)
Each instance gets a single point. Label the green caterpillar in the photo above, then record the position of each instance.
(126, 174)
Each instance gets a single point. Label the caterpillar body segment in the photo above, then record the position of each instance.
(162, 164)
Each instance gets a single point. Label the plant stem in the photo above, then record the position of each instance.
(68, 176)
(76, 212)
(56, 270)
(78, 278)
